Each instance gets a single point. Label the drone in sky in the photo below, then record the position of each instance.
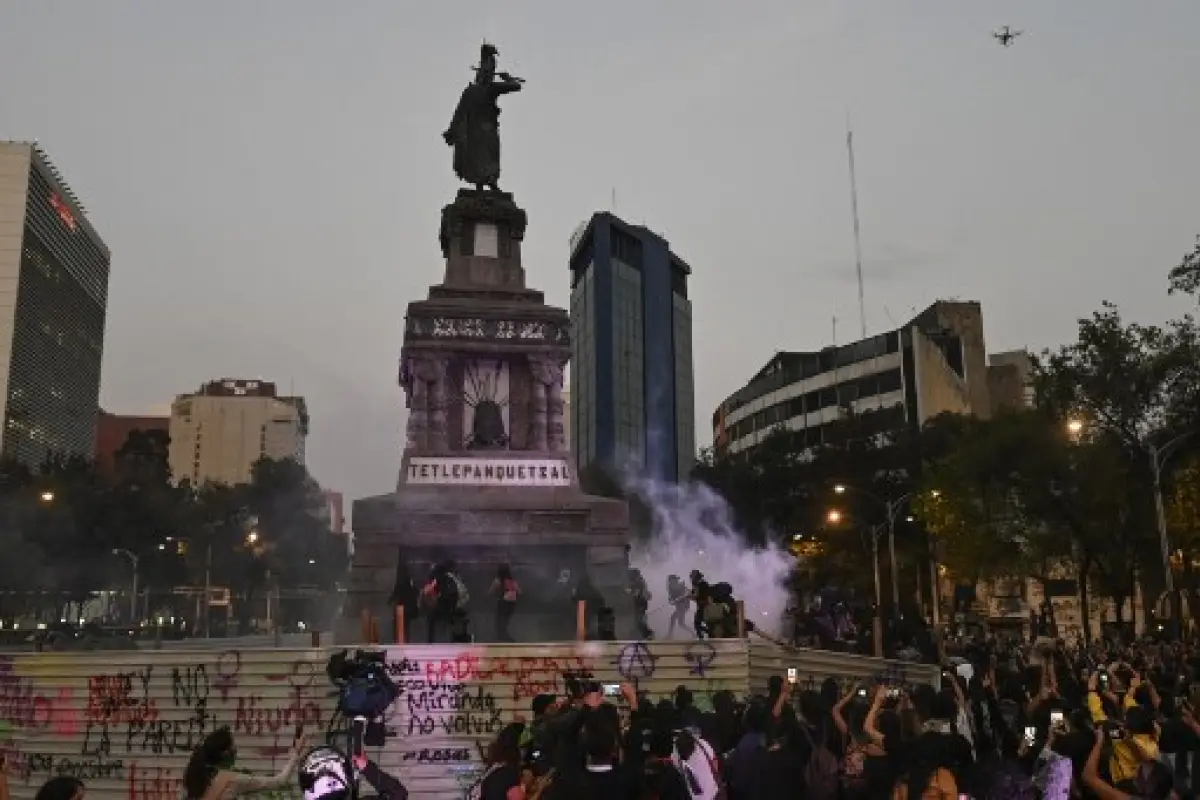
(1006, 35)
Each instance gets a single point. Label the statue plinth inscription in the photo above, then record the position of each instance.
(442, 471)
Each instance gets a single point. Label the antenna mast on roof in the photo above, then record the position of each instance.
(862, 309)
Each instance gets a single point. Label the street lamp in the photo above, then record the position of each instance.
(47, 497)
(835, 516)
(133, 560)
(252, 537)
(891, 507)
(1159, 456)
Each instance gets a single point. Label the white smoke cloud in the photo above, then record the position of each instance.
(694, 529)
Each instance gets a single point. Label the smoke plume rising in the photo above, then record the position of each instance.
(693, 528)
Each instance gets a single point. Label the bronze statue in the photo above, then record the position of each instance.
(474, 131)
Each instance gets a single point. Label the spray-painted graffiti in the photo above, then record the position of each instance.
(127, 723)
(21, 705)
(699, 655)
(636, 663)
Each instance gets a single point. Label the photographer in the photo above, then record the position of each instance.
(1138, 740)
(1153, 781)
(326, 774)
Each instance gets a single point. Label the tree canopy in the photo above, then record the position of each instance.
(78, 529)
(1068, 483)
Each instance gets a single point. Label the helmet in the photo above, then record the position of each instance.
(324, 774)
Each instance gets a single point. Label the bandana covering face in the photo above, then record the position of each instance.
(323, 774)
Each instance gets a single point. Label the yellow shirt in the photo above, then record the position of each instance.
(1126, 753)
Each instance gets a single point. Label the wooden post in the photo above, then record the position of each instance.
(741, 620)
(366, 626)
(581, 620)
(316, 638)
(399, 624)
(877, 627)
(374, 630)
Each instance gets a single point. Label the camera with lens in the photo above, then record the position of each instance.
(364, 690)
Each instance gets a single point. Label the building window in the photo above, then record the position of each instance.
(583, 370)
(628, 365)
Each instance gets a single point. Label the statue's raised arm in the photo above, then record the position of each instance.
(474, 130)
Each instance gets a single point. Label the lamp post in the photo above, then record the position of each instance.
(1158, 456)
(891, 508)
(133, 561)
(834, 516)
(1158, 459)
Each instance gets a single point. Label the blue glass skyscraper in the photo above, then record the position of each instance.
(632, 385)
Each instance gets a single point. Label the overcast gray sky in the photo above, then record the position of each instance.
(269, 173)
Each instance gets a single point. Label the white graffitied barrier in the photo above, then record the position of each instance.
(126, 722)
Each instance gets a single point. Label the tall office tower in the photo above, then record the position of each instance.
(632, 387)
(53, 300)
(220, 431)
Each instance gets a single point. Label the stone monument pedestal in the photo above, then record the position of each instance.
(486, 478)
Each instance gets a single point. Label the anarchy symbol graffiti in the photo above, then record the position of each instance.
(635, 662)
(699, 655)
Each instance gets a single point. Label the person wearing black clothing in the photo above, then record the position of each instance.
(504, 764)
(660, 777)
(602, 777)
(939, 747)
(640, 592)
(777, 771)
(61, 787)
(677, 594)
(387, 787)
(702, 594)
(595, 605)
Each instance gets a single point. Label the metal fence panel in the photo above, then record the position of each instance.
(126, 722)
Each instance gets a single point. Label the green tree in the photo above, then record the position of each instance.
(1183, 524)
(1186, 277)
(1016, 496)
(969, 502)
(1125, 387)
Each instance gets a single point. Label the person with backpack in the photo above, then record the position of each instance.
(444, 597)
(506, 591)
(677, 595)
(640, 593)
(697, 760)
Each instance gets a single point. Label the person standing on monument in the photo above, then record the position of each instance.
(640, 593)
(474, 130)
(680, 599)
(594, 604)
(506, 591)
(444, 598)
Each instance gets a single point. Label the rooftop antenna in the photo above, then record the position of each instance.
(862, 308)
(613, 202)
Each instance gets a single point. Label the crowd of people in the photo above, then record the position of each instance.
(1046, 720)
(1008, 721)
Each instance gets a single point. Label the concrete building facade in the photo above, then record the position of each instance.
(112, 431)
(218, 432)
(934, 364)
(631, 352)
(54, 270)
